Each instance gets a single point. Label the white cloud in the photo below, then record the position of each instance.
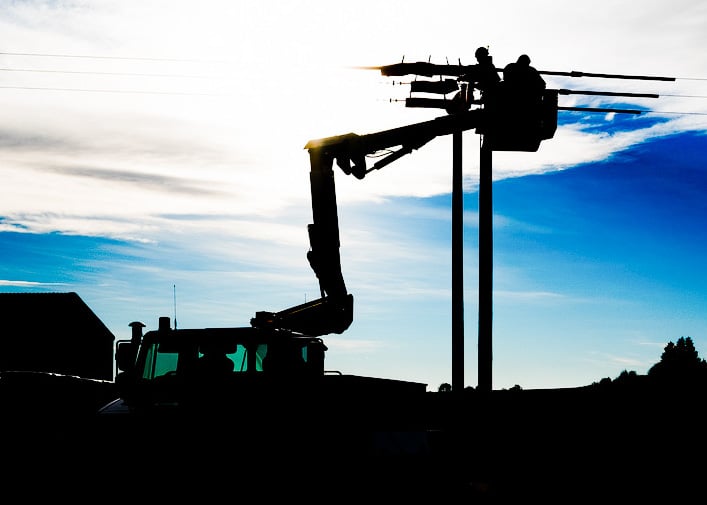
(27, 284)
(258, 85)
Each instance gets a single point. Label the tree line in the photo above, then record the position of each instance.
(680, 366)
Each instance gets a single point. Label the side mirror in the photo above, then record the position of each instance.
(315, 357)
(125, 355)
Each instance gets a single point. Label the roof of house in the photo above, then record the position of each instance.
(49, 312)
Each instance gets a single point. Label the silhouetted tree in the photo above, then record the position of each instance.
(445, 387)
(679, 365)
(628, 379)
(626, 375)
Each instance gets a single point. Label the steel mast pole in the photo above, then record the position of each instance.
(457, 265)
(485, 267)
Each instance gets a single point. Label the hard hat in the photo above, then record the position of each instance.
(524, 59)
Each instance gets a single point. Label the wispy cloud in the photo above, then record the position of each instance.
(134, 178)
(529, 295)
(191, 152)
(29, 284)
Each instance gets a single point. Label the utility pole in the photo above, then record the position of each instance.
(457, 264)
(485, 348)
(511, 130)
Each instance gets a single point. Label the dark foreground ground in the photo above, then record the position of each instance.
(584, 445)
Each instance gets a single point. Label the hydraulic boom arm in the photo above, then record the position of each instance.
(512, 119)
(333, 312)
(505, 128)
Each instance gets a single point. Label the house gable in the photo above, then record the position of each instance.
(54, 332)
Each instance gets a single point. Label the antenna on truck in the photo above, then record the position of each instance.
(174, 291)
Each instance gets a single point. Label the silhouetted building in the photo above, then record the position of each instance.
(54, 332)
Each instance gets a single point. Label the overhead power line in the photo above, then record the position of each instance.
(138, 74)
(167, 75)
(606, 93)
(685, 96)
(112, 57)
(630, 111)
(675, 113)
(575, 73)
(128, 91)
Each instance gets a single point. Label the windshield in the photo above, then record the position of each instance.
(163, 360)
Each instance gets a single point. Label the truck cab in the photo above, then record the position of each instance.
(170, 369)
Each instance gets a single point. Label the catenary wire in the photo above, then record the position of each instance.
(139, 74)
(128, 91)
(137, 58)
(111, 57)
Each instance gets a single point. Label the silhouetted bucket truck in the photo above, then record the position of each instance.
(156, 368)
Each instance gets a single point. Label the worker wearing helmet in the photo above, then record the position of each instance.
(483, 75)
(520, 76)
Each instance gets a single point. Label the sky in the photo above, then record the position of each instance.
(152, 161)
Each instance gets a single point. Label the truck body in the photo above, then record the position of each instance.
(158, 370)
(274, 416)
(170, 378)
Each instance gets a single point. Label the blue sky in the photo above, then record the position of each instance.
(151, 145)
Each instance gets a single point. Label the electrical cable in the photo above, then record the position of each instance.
(127, 91)
(137, 74)
(141, 74)
(111, 57)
